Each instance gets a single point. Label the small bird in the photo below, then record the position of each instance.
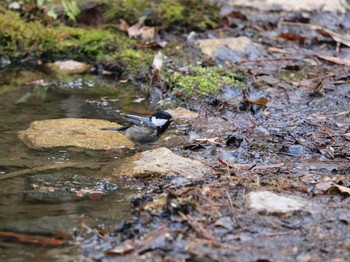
(145, 130)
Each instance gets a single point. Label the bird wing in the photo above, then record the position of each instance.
(139, 120)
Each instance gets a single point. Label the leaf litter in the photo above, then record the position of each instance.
(287, 132)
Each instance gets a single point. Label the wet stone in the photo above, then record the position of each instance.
(161, 162)
(61, 188)
(73, 132)
(272, 204)
(69, 67)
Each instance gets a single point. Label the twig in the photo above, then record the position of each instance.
(267, 59)
(199, 230)
(277, 234)
(49, 167)
(209, 140)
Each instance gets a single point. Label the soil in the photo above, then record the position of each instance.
(287, 133)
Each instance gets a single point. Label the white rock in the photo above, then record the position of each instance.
(69, 67)
(270, 203)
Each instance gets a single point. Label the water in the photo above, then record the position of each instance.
(20, 104)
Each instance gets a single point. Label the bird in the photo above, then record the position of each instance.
(144, 130)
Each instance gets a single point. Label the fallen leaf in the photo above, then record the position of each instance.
(40, 240)
(125, 247)
(340, 38)
(123, 25)
(335, 60)
(343, 189)
(262, 101)
(134, 30)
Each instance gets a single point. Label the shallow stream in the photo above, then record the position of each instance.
(30, 95)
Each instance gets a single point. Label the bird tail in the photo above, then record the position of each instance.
(116, 129)
(110, 129)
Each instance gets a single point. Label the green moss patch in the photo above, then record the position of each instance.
(189, 14)
(200, 80)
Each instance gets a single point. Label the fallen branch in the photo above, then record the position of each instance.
(39, 240)
(50, 167)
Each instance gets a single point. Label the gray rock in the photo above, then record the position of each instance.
(63, 188)
(73, 132)
(161, 162)
(273, 204)
(232, 49)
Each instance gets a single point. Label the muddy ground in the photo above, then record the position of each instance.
(282, 134)
(287, 133)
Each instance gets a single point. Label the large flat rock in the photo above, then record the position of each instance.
(73, 132)
(161, 162)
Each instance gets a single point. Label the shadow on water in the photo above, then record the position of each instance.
(23, 101)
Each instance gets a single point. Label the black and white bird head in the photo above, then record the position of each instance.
(161, 120)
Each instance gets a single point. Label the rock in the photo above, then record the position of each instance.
(273, 204)
(302, 5)
(73, 132)
(232, 49)
(162, 162)
(63, 188)
(69, 67)
(181, 113)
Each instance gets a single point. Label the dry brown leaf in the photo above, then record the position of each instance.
(262, 101)
(343, 189)
(124, 26)
(336, 60)
(134, 30)
(340, 38)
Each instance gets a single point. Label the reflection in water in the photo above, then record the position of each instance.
(75, 97)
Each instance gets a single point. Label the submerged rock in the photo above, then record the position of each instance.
(73, 132)
(270, 203)
(62, 188)
(161, 162)
(69, 67)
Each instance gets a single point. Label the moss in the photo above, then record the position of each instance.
(131, 60)
(20, 39)
(200, 80)
(189, 14)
